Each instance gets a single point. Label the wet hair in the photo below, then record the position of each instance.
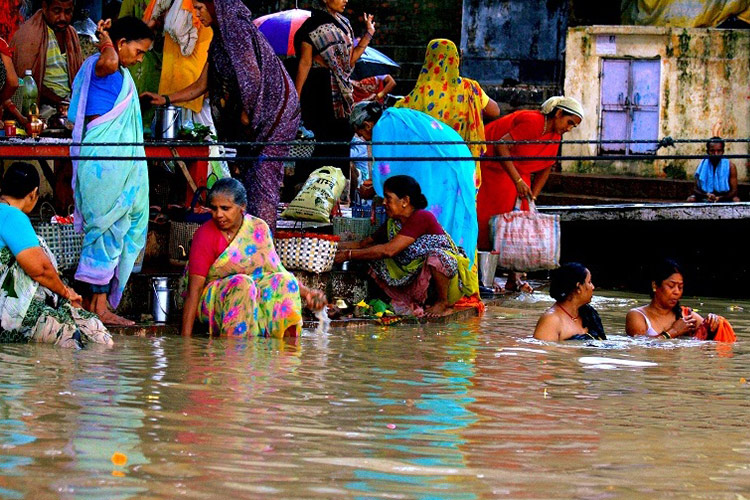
(130, 29)
(565, 280)
(231, 188)
(659, 271)
(19, 180)
(715, 140)
(403, 186)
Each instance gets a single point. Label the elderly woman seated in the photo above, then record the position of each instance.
(35, 305)
(412, 255)
(236, 283)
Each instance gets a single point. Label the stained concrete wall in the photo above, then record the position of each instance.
(513, 40)
(704, 78)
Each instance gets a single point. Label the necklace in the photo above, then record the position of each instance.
(567, 313)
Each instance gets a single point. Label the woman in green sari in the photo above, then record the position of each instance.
(35, 305)
(414, 260)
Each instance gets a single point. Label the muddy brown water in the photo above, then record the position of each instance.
(461, 411)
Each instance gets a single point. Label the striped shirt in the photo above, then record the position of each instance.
(56, 72)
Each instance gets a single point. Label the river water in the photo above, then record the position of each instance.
(461, 411)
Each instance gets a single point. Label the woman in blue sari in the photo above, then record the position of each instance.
(447, 184)
(111, 196)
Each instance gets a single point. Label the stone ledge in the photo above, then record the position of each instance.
(648, 212)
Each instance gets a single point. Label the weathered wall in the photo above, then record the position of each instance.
(704, 78)
(514, 40)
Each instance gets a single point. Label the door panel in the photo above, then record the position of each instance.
(614, 82)
(644, 126)
(614, 127)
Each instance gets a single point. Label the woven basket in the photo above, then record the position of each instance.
(180, 238)
(302, 149)
(64, 243)
(352, 229)
(306, 252)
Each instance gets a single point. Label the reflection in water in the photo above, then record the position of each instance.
(477, 410)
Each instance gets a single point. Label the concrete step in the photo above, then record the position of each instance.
(626, 187)
(562, 199)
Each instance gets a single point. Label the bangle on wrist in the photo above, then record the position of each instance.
(666, 334)
(105, 46)
(519, 180)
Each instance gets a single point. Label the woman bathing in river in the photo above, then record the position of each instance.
(664, 317)
(571, 317)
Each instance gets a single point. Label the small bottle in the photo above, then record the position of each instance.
(29, 93)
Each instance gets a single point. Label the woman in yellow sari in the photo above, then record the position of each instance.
(444, 94)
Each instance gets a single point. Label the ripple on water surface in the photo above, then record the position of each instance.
(476, 410)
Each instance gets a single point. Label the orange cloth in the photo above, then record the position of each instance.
(724, 332)
(29, 46)
(498, 194)
(469, 302)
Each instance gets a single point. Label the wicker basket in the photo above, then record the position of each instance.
(180, 238)
(307, 252)
(353, 229)
(63, 241)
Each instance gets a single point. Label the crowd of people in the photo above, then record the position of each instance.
(213, 61)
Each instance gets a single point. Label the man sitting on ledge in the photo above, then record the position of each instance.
(716, 176)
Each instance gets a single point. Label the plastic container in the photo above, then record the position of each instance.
(29, 93)
(487, 267)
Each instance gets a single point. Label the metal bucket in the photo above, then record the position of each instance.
(161, 298)
(166, 123)
(487, 267)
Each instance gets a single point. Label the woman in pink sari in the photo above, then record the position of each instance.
(236, 282)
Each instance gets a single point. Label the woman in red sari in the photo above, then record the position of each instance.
(503, 182)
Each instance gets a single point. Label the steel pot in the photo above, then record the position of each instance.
(166, 123)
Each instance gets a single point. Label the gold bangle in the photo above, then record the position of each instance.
(520, 179)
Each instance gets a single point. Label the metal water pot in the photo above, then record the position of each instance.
(161, 298)
(166, 123)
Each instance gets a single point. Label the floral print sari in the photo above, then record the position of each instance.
(30, 312)
(247, 289)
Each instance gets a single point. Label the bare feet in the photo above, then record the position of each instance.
(518, 286)
(437, 310)
(99, 306)
(111, 319)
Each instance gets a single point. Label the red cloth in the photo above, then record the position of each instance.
(724, 331)
(365, 87)
(498, 193)
(4, 49)
(208, 244)
(10, 18)
(419, 223)
(468, 302)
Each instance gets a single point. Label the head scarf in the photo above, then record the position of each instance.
(266, 90)
(565, 103)
(443, 94)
